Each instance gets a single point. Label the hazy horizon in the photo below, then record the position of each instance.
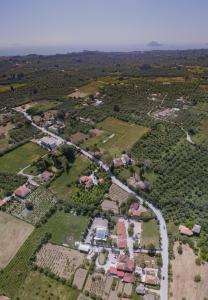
(60, 26)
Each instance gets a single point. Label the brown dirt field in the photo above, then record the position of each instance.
(79, 278)
(96, 132)
(13, 233)
(59, 260)
(117, 194)
(95, 284)
(109, 205)
(78, 137)
(184, 269)
(4, 129)
(78, 94)
(128, 287)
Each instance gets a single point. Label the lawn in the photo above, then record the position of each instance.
(150, 233)
(67, 228)
(59, 225)
(60, 186)
(117, 136)
(19, 158)
(37, 286)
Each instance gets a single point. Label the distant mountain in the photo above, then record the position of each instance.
(154, 44)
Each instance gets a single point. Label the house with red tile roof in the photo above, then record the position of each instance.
(128, 278)
(125, 264)
(2, 297)
(22, 191)
(121, 235)
(185, 230)
(45, 176)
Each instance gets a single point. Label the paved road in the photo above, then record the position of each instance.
(162, 224)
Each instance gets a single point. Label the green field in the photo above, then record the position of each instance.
(19, 158)
(42, 107)
(60, 186)
(37, 286)
(150, 233)
(60, 225)
(67, 228)
(117, 136)
(7, 87)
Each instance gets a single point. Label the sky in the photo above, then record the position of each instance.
(102, 24)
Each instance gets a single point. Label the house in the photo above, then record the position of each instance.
(2, 297)
(86, 181)
(2, 202)
(151, 280)
(121, 233)
(101, 234)
(196, 229)
(125, 264)
(185, 230)
(135, 209)
(117, 162)
(140, 289)
(22, 191)
(126, 159)
(114, 272)
(85, 248)
(45, 176)
(50, 142)
(128, 278)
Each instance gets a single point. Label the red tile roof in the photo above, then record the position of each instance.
(185, 230)
(2, 202)
(125, 263)
(113, 271)
(22, 191)
(129, 278)
(122, 237)
(46, 175)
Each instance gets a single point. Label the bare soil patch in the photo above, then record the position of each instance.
(78, 137)
(79, 278)
(184, 269)
(110, 205)
(78, 94)
(59, 260)
(118, 194)
(13, 233)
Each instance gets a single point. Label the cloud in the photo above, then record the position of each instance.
(154, 44)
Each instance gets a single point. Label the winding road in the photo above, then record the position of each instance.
(157, 212)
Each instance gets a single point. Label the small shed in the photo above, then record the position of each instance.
(140, 289)
(196, 229)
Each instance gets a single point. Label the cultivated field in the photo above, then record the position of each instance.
(37, 286)
(59, 260)
(19, 158)
(118, 194)
(13, 233)
(42, 201)
(99, 284)
(42, 106)
(184, 269)
(79, 278)
(7, 87)
(78, 137)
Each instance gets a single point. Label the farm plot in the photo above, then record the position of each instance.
(42, 106)
(78, 137)
(79, 278)
(117, 194)
(13, 233)
(7, 87)
(37, 286)
(96, 284)
(19, 158)
(59, 260)
(4, 135)
(41, 201)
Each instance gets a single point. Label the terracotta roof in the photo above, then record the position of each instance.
(117, 162)
(4, 297)
(129, 278)
(2, 202)
(113, 271)
(153, 280)
(185, 230)
(122, 237)
(46, 175)
(22, 191)
(125, 263)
